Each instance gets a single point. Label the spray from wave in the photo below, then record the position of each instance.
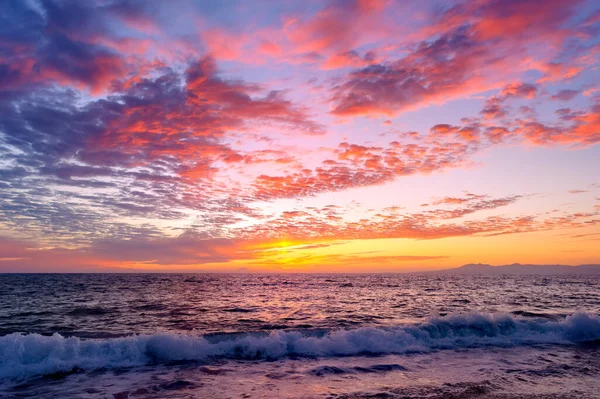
(26, 355)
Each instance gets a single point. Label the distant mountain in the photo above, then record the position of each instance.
(517, 268)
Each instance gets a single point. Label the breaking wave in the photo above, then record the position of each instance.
(26, 355)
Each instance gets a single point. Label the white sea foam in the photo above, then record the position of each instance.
(26, 355)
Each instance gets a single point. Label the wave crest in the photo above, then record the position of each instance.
(27, 355)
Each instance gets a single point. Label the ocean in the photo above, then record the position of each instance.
(299, 336)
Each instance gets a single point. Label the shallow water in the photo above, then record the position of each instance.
(299, 336)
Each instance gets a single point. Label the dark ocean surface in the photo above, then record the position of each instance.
(299, 336)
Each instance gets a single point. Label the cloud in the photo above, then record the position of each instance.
(305, 230)
(523, 90)
(583, 129)
(71, 169)
(155, 124)
(64, 43)
(23, 257)
(467, 50)
(360, 166)
(565, 95)
(475, 204)
(469, 197)
(131, 131)
(575, 127)
(321, 224)
(186, 249)
(464, 133)
(337, 30)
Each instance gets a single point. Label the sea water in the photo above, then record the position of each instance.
(299, 336)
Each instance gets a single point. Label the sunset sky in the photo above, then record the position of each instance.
(340, 136)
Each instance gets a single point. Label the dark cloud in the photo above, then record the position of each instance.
(149, 150)
(431, 70)
(467, 49)
(565, 95)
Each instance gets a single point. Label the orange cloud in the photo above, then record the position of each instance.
(337, 30)
(467, 50)
(584, 129)
(188, 125)
(524, 90)
(359, 166)
(432, 224)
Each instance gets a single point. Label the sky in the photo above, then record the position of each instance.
(298, 136)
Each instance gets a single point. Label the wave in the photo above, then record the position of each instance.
(26, 355)
(90, 311)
